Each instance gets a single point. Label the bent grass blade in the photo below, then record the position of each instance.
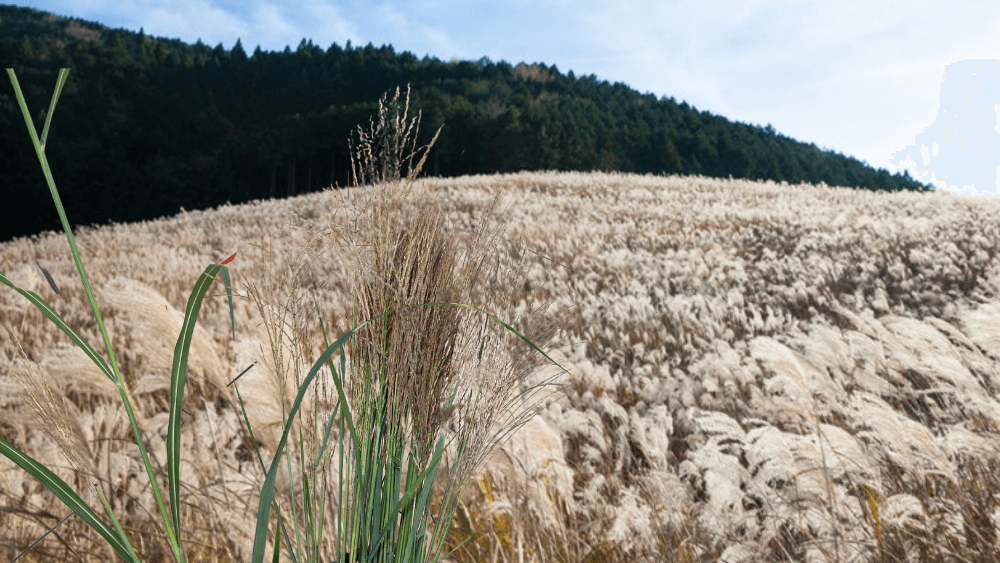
(61, 490)
(59, 322)
(178, 377)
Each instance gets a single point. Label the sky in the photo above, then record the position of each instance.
(911, 85)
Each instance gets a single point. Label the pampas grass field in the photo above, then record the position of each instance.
(753, 371)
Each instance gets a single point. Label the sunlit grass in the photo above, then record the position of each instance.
(406, 264)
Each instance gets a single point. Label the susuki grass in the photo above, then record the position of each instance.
(409, 365)
(420, 373)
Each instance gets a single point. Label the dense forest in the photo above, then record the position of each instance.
(147, 125)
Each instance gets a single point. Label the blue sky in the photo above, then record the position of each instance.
(864, 78)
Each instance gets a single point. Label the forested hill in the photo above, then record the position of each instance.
(146, 125)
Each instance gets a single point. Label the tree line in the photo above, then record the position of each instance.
(148, 125)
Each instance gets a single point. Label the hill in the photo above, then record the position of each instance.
(760, 372)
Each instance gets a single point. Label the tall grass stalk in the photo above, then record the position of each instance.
(408, 363)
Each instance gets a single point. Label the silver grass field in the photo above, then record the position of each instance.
(753, 371)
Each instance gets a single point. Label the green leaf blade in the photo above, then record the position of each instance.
(178, 377)
(61, 490)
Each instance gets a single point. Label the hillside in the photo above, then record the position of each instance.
(760, 371)
(147, 125)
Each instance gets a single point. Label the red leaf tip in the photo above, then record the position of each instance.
(228, 260)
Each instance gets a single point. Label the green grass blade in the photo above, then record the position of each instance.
(40, 153)
(178, 376)
(61, 490)
(274, 558)
(60, 82)
(267, 492)
(423, 484)
(229, 293)
(59, 322)
(257, 451)
(329, 424)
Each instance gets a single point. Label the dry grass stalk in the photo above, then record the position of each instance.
(426, 350)
(52, 415)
